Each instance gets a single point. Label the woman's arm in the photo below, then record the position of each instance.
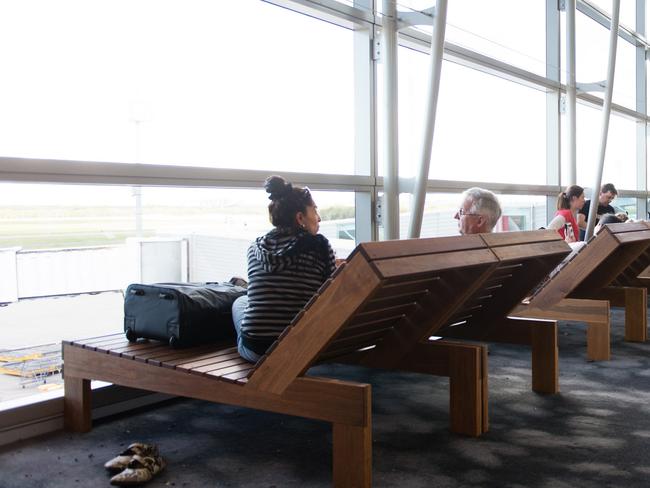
(557, 223)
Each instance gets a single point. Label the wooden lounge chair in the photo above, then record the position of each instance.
(525, 259)
(629, 290)
(379, 309)
(592, 279)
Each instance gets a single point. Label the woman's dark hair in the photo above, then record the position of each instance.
(564, 198)
(286, 201)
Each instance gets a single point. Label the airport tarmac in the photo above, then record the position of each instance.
(40, 324)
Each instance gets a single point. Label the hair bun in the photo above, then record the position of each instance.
(277, 187)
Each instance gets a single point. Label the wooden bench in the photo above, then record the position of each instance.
(584, 287)
(379, 310)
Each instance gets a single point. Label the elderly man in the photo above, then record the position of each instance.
(607, 195)
(479, 212)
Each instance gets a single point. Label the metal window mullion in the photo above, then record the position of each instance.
(601, 17)
(457, 186)
(553, 117)
(331, 11)
(390, 101)
(99, 173)
(571, 91)
(365, 159)
(641, 106)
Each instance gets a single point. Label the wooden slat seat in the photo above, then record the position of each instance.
(377, 310)
(218, 361)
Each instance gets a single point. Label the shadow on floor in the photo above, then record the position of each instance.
(595, 433)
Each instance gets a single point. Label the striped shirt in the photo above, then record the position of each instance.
(284, 271)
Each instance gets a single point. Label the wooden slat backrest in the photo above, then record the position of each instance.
(311, 330)
(636, 273)
(525, 258)
(460, 287)
(442, 298)
(400, 292)
(597, 265)
(382, 285)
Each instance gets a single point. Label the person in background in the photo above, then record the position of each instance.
(479, 212)
(285, 268)
(577, 246)
(608, 219)
(607, 195)
(569, 203)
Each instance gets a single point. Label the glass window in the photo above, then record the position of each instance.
(181, 84)
(627, 12)
(512, 31)
(487, 129)
(67, 253)
(620, 155)
(626, 205)
(519, 212)
(592, 47)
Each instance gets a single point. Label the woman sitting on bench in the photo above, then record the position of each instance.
(569, 202)
(285, 269)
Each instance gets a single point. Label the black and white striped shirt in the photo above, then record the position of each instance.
(285, 269)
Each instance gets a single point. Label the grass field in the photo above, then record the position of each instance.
(59, 227)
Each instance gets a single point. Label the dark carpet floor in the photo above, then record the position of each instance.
(595, 433)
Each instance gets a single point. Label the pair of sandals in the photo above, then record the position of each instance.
(137, 464)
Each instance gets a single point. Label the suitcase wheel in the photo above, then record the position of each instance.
(173, 341)
(131, 335)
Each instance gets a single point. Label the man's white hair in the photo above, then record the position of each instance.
(484, 202)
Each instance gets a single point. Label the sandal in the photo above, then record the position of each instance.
(140, 470)
(122, 460)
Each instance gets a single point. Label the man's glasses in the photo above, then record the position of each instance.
(462, 211)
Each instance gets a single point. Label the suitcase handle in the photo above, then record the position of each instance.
(166, 296)
(136, 291)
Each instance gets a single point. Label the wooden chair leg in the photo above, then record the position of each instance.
(636, 318)
(468, 391)
(76, 404)
(466, 365)
(598, 341)
(352, 453)
(485, 424)
(545, 357)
